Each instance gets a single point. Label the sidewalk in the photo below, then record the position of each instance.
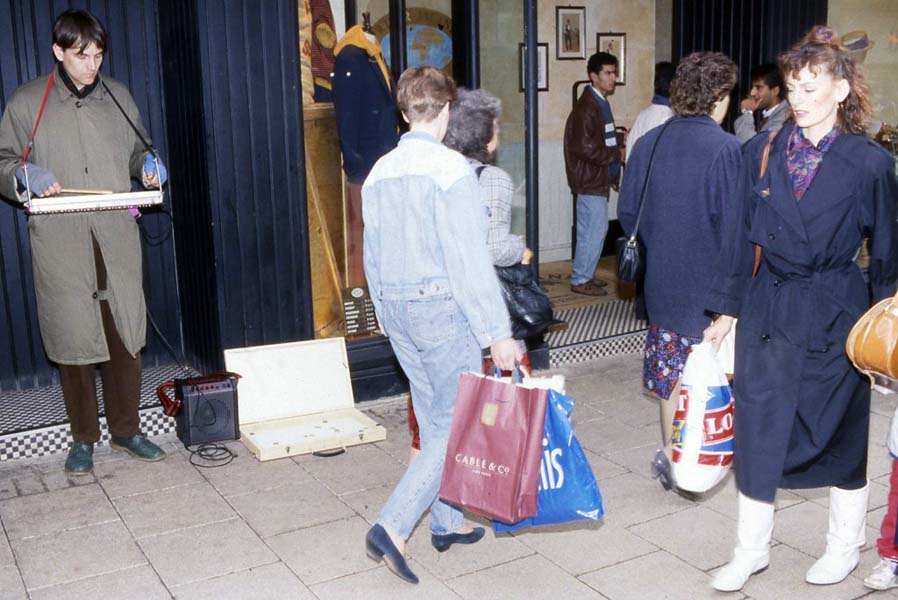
(295, 528)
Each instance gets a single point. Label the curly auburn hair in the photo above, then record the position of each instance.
(822, 49)
(472, 123)
(422, 92)
(702, 79)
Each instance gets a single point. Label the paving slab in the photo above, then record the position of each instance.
(381, 583)
(51, 560)
(11, 586)
(70, 508)
(325, 552)
(656, 575)
(360, 467)
(697, 535)
(529, 577)
(6, 558)
(784, 578)
(289, 507)
(369, 502)
(269, 581)
(631, 499)
(161, 511)
(603, 468)
(132, 476)
(138, 582)
(462, 559)
(203, 552)
(583, 547)
(803, 527)
(247, 474)
(609, 436)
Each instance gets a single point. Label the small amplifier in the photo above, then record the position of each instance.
(204, 408)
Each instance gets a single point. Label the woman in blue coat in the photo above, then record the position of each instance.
(802, 410)
(694, 171)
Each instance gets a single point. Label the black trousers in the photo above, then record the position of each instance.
(120, 376)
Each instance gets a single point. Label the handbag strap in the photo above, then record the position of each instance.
(40, 114)
(765, 158)
(648, 175)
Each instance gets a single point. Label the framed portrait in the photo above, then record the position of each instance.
(542, 67)
(616, 44)
(570, 32)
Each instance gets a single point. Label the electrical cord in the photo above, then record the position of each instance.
(217, 454)
(155, 240)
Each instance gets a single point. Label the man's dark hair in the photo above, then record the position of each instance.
(772, 76)
(599, 60)
(78, 27)
(664, 74)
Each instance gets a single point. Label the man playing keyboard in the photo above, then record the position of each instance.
(86, 265)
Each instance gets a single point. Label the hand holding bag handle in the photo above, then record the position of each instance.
(630, 257)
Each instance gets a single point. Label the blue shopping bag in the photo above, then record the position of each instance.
(567, 488)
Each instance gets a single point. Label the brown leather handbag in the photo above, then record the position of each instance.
(872, 343)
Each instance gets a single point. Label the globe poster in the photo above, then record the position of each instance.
(428, 38)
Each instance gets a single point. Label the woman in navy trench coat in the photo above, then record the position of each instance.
(802, 410)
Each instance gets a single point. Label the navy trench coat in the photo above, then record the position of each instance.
(802, 410)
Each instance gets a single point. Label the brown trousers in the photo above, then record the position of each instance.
(120, 376)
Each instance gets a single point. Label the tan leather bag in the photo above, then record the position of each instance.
(872, 343)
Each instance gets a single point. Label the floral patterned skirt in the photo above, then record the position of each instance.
(665, 355)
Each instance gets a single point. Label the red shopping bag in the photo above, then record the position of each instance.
(495, 448)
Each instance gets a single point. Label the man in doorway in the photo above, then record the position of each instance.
(87, 265)
(592, 159)
(764, 109)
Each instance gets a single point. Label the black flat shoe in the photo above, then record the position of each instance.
(379, 546)
(662, 472)
(443, 542)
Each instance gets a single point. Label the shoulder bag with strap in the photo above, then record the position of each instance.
(630, 252)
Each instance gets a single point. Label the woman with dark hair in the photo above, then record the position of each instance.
(694, 169)
(802, 410)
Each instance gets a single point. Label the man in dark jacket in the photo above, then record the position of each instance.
(592, 159)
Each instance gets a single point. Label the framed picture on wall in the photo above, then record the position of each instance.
(570, 32)
(542, 67)
(616, 44)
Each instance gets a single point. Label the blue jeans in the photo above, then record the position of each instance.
(435, 345)
(592, 225)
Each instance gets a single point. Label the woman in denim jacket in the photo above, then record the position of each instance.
(436, 297)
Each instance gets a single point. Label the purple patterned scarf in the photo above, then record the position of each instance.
(803, 158)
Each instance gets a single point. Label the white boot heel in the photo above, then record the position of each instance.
(752, 553)
(847, 522)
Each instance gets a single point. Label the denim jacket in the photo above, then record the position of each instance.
(426, 232)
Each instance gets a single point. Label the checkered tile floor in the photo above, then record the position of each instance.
(33, 421)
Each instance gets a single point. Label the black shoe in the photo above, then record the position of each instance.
(661, 471)
(443, 542)
(80, 460)
(379, 546)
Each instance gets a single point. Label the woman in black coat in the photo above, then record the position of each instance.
(802, 410)
(694, 170)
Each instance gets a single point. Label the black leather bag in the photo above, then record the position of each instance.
(630, 259)
(528, 305)
(630, 251)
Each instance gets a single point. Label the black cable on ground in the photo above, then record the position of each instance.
(218, 455)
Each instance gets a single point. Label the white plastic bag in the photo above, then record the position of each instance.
(702, 434)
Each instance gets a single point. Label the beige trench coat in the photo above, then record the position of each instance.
(86, 144)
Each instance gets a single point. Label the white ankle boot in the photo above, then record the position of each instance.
(847, 522)
(752, 553)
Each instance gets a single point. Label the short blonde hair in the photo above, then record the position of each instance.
(423, 92)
